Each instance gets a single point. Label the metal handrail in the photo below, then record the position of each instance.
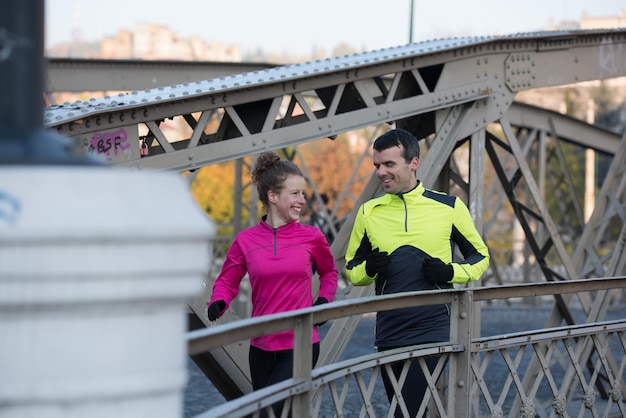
(460, 353)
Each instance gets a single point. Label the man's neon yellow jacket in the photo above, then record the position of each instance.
(411, 227)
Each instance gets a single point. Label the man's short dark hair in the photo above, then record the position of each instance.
(397, 137)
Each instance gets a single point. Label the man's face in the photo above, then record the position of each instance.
(395, 174)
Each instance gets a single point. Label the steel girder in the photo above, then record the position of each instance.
(448, 92)
(95, 75)
(244, 114)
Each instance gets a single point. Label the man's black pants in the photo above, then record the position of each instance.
(414, 387)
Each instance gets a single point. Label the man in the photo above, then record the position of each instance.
(322, 218)
(404, 241)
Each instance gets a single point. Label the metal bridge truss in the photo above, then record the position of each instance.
(457, 95)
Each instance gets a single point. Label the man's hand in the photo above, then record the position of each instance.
(215, 309)
(437, 271)
(376, 262)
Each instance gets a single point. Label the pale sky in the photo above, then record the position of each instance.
(292, 26)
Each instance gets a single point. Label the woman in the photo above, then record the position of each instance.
(279, 254)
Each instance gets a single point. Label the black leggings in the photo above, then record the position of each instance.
(269, 367)
(414, 387)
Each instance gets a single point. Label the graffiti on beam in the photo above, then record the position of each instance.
(111, 144)
(115, 145)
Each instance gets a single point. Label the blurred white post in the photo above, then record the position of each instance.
(96, 266)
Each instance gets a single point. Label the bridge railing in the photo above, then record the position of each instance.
(580, 368)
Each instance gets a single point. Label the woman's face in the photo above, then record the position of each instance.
(285, 207)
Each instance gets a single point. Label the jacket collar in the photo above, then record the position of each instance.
(415, 191)
(388, 198)
(286, 227)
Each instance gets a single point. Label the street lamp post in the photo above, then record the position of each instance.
(411, 21)
(22, 137)
(96, 263)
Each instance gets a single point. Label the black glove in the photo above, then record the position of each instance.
(437, 271)
(376, 262)
(320, 301)
(215, 309)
